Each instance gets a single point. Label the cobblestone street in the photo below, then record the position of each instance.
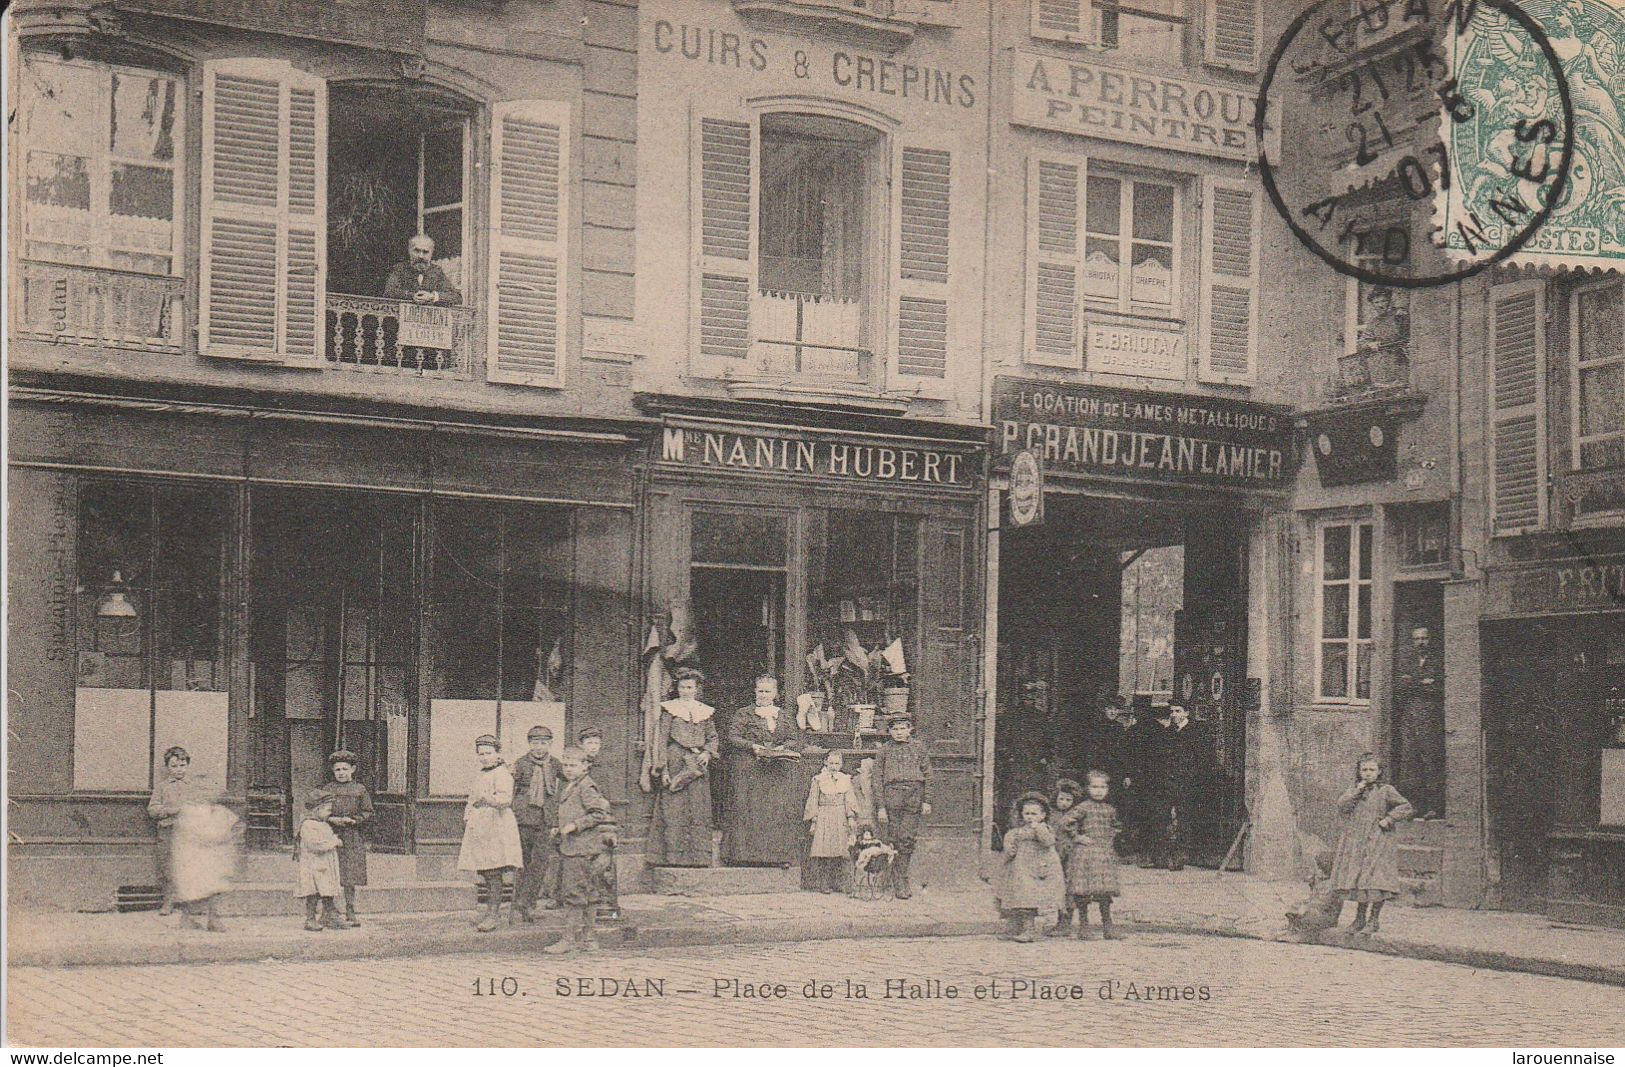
(1229, 992)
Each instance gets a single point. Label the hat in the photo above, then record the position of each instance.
(344, 755)
(901, 716)
(1069, 787)
(539, 733)
(1032, 796)
(590, 731)
(487, 739)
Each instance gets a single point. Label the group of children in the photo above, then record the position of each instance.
(841, 812)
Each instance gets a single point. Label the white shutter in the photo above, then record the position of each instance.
(1517, 364)
(1054, 254)
(725, 236)
(923, 208)
(264, 245)
(530, 222)
(1230, 250)
(1233, 34)
(1065, 20)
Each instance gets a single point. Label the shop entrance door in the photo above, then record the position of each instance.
(739, 619)
(333, 634)
(1526, 703)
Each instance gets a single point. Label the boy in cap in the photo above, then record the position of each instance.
(591, 741)
(901, 773)
(585, 835)
(536, 779)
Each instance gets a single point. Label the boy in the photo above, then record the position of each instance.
(591, 741)
(536, 782)
(902, 771)
(585, 835)
(165, 804)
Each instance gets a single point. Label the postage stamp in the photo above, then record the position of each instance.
(1506, 84)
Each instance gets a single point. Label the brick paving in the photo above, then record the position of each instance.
(1258, 993)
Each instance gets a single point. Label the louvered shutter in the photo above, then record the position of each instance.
(264, 247)
(923, 183)
(1054, 215)
(1234, 34)
(530, 220)
(1230, 250)
(1064, 20)
(725, 236)
(1518, 408)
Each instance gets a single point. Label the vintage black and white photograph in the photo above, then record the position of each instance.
(815, 524)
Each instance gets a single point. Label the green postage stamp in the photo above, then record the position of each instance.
(1511, 90)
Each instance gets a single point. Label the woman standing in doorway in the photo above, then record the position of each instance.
(685, 745)
(766, 786)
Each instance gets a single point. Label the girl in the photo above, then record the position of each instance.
(490, 832)
(832, 816)
(167, 800)
(1030, 882)
(1366, 866)
(318, 850)
(1091, 867)
(1067, 793)
(352, 810)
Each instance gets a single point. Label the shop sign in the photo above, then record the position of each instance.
(1097, 100)
(1164, 438)
(814, 456)
(393, 25)
(1557, 588)
(1026, 489)
(1136, 350)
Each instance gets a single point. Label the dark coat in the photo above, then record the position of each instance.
(585, 809)
(1187, 759)
(405, 279)
(351, 801)
(761, 821)
(525, 769)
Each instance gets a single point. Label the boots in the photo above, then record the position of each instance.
(312, 922)
(901, 888)
(570, 942)
(1107, 930)
(1063, 924)
(493, 903)
(589, 936)
(350, 919)
(1371, 923)
(1029, 929)
(330, 914)
(1012, 926)
(1358, 924)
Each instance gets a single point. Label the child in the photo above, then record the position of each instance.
(203, 855)
(902, 774)
(490, 833)
(586, 843)
(352, 810)
(317, 850)
(871, 863)
(167, 800)
(1067, 794)
(1320, 912)
(1030, 882)
(1091, 868)
(832, 816)
(591, 741)
(1366, 867)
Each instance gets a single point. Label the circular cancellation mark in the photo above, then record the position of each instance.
(1380, 81)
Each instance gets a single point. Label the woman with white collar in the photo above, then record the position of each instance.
(685, 745)
(761, 821)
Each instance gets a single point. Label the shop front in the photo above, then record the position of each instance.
(1553, 637)
(843, 561)
(265, 585)
(1132, 587)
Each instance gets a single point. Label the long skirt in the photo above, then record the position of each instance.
(680, 834)
(204, 855)
(761, 822)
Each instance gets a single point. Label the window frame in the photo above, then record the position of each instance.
(1099, 10)
(1124, 304)
(462, 206)
(1362, 530)
(1579, 365)
(103, 159)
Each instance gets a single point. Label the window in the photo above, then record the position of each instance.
(1421, 534)
(1343, 652)
(1131, 221)
(102, 176)
(1148, 30)
(868, 598)
(1597, 332)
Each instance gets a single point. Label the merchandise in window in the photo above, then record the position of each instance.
(1130, 221)
(1343, 651)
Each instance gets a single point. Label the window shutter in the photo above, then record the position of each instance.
(1233, 35)
(726, 236)
(1229, 318)
(924, 181)
(264, 247)
(1064, 20)
(530, 220)
(1518, 408)
(1054, 219)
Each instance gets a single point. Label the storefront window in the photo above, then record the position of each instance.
(1343, 652)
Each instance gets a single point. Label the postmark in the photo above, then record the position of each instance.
(1378, 94)
(1587, 223)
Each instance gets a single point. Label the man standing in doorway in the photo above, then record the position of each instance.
(1147, 743)
(1189, 750)
(1419, 728)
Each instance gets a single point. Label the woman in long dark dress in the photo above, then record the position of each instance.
(762, 820)
(685, 745)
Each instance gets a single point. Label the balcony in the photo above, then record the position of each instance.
(809, 338)
(369, 333)
(1371, 372)
(68, 304)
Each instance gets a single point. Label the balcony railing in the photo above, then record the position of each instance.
(1371, 371)
(813, 338)
(373, 334)
(99, 306)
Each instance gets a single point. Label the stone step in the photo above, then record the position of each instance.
(277, 898)
(383, 868)
(723, 881)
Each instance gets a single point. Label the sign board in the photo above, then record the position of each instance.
(1151, 110)
(1143, 436)
(1149, 353)
(424, 326)
(1556, 587)
(809, 456)
(1026, 489)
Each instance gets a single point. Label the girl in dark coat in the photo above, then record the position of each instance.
(1091, 865)
(352, 810)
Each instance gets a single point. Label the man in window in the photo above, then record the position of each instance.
(418, 280)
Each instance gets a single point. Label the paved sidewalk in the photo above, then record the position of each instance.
(1189, 901)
